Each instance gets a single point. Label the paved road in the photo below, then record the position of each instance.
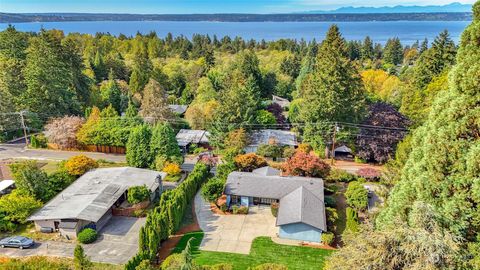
(15, 151)
(117, 243)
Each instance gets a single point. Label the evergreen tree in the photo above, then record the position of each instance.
(80, 259)
(99, 67)
(48, 77)
(187, 257)
(423, 46)
(443, 167)
(163, 142)
(308, 64)
(367, 51)
(334, 91)
(111, 94)
(138, 147)
(154, 106)
(393, 53)
(132, 111)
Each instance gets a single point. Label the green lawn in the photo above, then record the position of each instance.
(264, 250)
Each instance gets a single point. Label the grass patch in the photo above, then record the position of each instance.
(263, 250)
(173, 177)
(47, 263)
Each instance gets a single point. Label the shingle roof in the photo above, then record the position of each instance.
(6, 184)
(267, 171)
(187, 136)
(178, 109)
(91, 195)
(272, 187)
(283, 102)
(282, 137)
(343, 149)
(301, 205)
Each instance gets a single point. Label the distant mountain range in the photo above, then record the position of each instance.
(453, 7)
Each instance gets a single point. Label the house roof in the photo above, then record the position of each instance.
(283, 102)
(178, 109)
(92, 195)
(187, 136)
(6, 184)
(302, 205)
(267, 171)
(343, 149)
(269, 186)
(282, 137)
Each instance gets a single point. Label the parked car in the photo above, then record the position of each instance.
(17, 241)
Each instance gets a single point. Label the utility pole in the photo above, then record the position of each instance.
(24, 127)
(335, 128)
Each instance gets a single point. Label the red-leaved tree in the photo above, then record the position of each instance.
(303, 164)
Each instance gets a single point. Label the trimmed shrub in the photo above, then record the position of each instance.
(352, 220)
(138, 194)
(79, 165)
(172, 262)
(242, 210)
(327, 238)
(357, 196)
(172, 169)
(330, 202)
(337, 175)
(274, 208)
(87, 236)
(213, 189)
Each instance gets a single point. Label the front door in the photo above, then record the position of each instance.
(56, 224)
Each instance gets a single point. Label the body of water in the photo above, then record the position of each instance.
(379, 31)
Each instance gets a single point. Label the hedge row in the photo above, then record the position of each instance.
(165, 219)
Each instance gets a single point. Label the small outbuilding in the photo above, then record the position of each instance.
(88, 202)
(282, 102)
(186, 137)
(178, 109)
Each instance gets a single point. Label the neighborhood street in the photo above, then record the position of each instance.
(17, 151)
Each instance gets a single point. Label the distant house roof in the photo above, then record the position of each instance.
(283, 102)
(282, 137)
(269, 186)
(302, 205)
(92, 195)
(178, 109)
(343, 149)
(187, 136)
(6, 184)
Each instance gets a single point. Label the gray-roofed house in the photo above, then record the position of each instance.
(185, 137)
(301, 214)
(88, 201)
(267, 136)
(178, 109)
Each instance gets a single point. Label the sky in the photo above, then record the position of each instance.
(197, 6)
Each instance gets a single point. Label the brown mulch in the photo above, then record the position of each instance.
(171, 243)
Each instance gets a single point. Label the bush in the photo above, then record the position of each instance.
(213, 189)
(78, 165)
(224, 169)
(249, 162)
(369, 173)
(270, 150)
(38, 141)
(327, 238)
(332, 216)
(137, 194)
(288, 152)
(308, 165)
(357, 196)
(352, 220)
(160, 162)
(359, 160)
(172, 262)
(87, 236)
(274, 208)
(222, 266)
(330, 202)
(172, 169)
(140, 213)
(242, 210)
(269, 266)
(337, 175)
(305, 148)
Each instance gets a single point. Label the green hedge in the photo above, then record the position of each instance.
(87, 236)
(165, 219)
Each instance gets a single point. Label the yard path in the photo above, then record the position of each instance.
(233, 233)
(15, 151)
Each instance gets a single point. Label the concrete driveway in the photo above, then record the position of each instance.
(233, 233)
(116, 244)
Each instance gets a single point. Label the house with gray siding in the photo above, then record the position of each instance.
(88, 201)
(301, 213)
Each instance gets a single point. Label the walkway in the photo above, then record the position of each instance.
(15, 151)
(233, 233)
